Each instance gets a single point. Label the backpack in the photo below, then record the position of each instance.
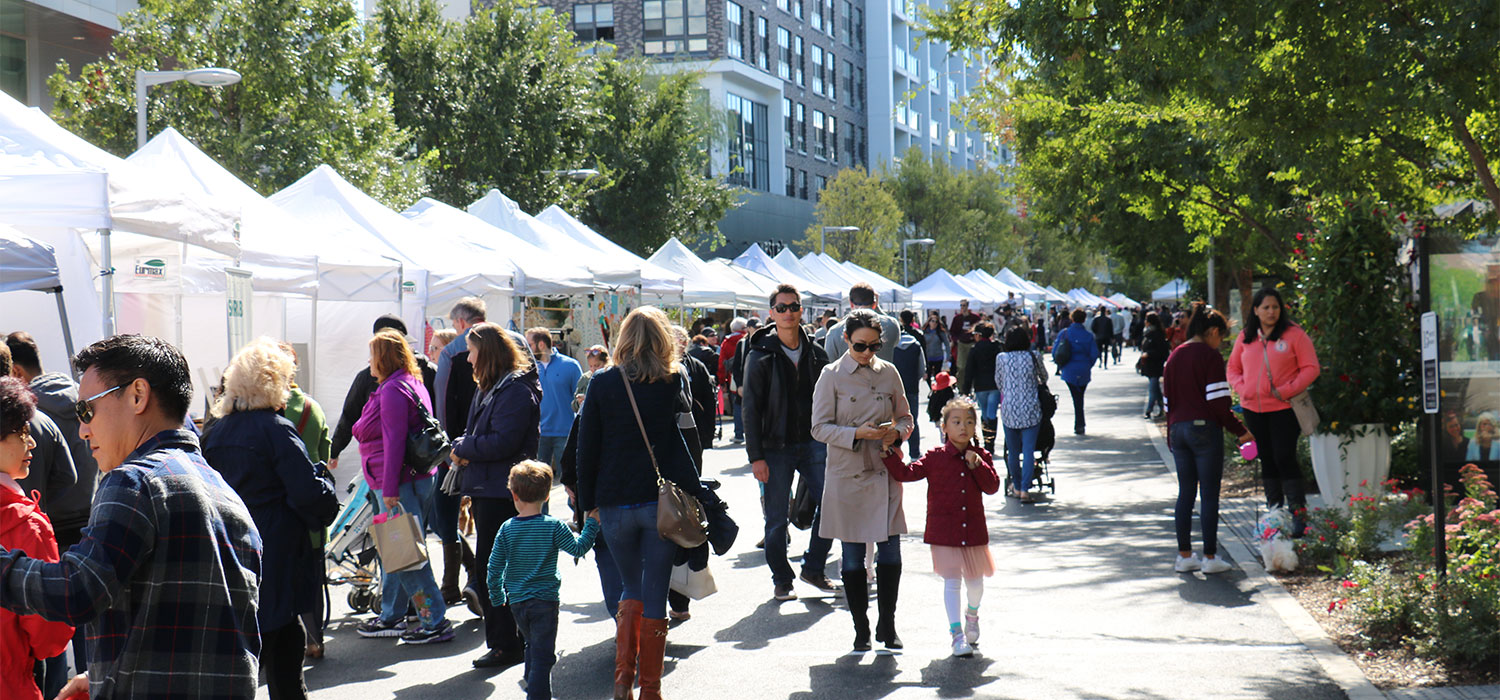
(1062, 351)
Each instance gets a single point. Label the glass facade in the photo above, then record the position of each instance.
(675, 26)
(594, 22)
(749, 147)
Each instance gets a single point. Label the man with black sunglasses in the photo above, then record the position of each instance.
(782, 366)
(862, 296)
(167, 574)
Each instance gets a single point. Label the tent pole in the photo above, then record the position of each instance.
(107, 281)
(177, 301)
(62, 314)
(312, 350)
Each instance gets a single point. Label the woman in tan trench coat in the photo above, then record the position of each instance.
(860, 410)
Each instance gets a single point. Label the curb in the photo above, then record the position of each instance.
(1334, 662)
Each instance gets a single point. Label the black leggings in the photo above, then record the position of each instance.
(281, 658)
(1276, 439)
(499, 625)
(1077, 391)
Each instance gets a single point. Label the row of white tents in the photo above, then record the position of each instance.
(154, 243)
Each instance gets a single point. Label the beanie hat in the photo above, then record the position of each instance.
(390, 321)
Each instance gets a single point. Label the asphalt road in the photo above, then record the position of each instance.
(1084, 604)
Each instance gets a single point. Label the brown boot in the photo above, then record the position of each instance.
(452, 564)
(653, 655)
(627, 645)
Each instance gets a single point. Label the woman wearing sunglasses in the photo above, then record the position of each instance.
(860, 410)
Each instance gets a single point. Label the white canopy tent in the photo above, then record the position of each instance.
(703, 284)
(942, 290)
(891, 295)
(1084, 296)
(1006, 294)
(825, 268)
(1034, 291)
(653, 279)
(1124, 301)
(534, 273)
(1175, 290)
(791, 263)
(730, 269)
(29, 265)
(814, 290)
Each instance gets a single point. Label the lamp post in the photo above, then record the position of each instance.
(203, 77)
(576, 174)
(905, 282)
(832, 229)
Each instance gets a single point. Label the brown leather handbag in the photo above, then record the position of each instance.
(679, 516)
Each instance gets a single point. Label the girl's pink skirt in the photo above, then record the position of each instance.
(962, 562)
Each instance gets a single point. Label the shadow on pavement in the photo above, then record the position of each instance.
(850, 676)
(347, 661)
(954, 677)
(772, 620)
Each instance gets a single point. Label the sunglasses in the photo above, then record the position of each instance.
(85, 407)
(867, 347)
(783, 308)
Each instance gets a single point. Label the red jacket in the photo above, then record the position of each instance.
(26, 638)
(955, 505)
(727, 349)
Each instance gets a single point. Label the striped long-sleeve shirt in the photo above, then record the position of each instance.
(1195, 388)
(523, 562)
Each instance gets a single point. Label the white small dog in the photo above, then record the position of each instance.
(1276, 548)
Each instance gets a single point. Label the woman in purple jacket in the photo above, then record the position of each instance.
(388, 418)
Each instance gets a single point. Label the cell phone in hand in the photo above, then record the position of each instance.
(885, 426)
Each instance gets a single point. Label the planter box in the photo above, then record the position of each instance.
(1341, 464)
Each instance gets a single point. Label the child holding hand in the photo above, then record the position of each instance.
(958, 473)
(523, 569)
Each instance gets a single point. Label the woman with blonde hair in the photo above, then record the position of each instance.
(397, 406)
(261, 456)
(631, 405)
(503, 429)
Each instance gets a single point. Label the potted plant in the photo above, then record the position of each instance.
(1356, 304)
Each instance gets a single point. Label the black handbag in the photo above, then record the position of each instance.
(427, 444)
(803, 507)
(1044, 396)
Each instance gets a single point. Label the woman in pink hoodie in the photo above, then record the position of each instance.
(23, 638)
(1273, 362)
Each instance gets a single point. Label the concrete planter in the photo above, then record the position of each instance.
(1341, 463)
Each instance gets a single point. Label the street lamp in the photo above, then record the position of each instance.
(910, 241)
(576, 174)
(832, 229)
(203, 77)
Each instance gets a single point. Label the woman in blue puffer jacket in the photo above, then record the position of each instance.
(503, 429)
(1076, 373)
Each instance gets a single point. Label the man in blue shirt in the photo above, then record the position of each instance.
(559, 375)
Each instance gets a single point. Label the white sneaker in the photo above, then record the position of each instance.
(1215, 565)
(1187, 564)
(971, 628)
(961, 646)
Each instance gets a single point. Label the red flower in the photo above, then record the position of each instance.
(1299, 236)
(1297, 251)
(1402, 217)
(1350, 584)
(1343, 377)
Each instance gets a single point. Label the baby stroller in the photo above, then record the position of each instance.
(1041, 475)
(350, 556)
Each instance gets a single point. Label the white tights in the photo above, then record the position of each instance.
(950, 596)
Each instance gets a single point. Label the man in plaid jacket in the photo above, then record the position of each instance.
(167, 575)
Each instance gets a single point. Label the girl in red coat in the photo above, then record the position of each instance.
(957, 474)
(23, 639)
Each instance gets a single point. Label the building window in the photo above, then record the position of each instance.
(735, 39)
(849, 143)
(784, 55)
(783, 5)
(817, 15)
(862, 147)
(749, 154)
(797, 9)
(675, 26)
(848, 83)
(828, 18)
(786, 115)
(820, 136)
(859, 87)
(833, 79)
(799, 62)
(821, 182)
(844, 23)
(857, 28)
(832, 125)
(791, 182)
(817, 71)
(763, 38)
(801, 131)
(802, 184)
(594, 22)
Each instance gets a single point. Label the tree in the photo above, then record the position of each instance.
(855, 197)
(650, 146)
(308, 95)
(503, 98)
(968, 213)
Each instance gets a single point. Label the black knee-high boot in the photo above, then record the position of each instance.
(857, 595)
(1274, 495)
(887, 586)
(1296, 501)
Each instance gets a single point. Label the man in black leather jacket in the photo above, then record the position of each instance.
(781, 368)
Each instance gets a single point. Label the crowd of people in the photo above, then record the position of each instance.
(119, 514)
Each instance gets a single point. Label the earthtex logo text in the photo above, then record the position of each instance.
(151, 268)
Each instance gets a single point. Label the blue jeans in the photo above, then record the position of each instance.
(737, 405)
(1020, 455)
(417, 585)
(609, 576)
(914, 443)
(1198, 450)
(1153, 394)
(549, 449)
(444, 520)
(887, 552)
(537, 620)
(644, 558)
(989, 403)
(809, 459)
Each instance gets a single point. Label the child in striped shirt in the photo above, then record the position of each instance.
(523, 569)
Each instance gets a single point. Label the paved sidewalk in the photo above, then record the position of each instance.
(1084, 604)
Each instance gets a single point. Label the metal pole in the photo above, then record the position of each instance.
(822, 248)
(107, 281)
(140, 109)
(1439, 502)
(62, 314)
(905, 280)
